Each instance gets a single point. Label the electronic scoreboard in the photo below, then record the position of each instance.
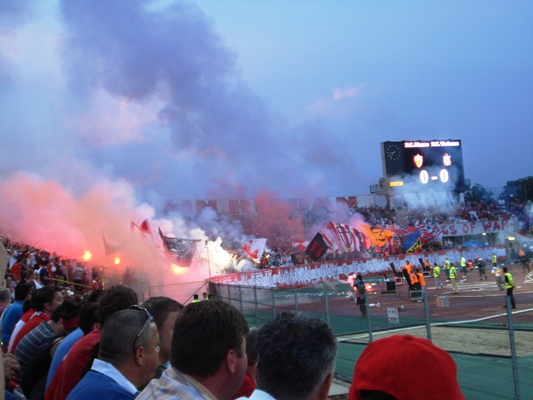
(418, 164)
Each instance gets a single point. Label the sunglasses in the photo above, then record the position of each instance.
(149, 318)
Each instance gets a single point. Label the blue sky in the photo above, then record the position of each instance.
(218, 99)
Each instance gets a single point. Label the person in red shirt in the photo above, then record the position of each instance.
(45, 301)
(16, 269)
(249, 383)
(71, 368)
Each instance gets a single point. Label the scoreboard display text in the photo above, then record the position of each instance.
(427, 163)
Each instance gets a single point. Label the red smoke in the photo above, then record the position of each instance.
(45, 215)
(274, 221)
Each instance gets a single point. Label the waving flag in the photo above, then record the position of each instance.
(398, 231)
(346, 235)
(110, 248)
(317, 247)
(145, 227)
(412, 243)
(300, 244)
(255, 248)
(377, 235)
(182, 249)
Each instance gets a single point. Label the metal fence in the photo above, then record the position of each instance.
(491, 343)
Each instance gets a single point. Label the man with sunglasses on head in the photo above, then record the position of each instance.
(70, 370)
(208, 355)
(165, 311)
(127, 358)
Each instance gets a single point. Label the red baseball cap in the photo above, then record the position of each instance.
(408, 368)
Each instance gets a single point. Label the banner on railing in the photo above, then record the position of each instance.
(331, 271)
(475, 227)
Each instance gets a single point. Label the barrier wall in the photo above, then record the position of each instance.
(331, 271)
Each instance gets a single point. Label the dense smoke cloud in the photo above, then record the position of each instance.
(128, 105)
(171, 62)
(112, 108)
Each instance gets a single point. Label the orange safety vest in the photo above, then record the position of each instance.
(408, 267)
(414, 279)
(421, 279)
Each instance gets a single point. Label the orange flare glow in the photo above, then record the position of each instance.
(178, 270)
(117, 261)
(87, 255)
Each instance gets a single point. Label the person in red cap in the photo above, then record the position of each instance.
(386, 367)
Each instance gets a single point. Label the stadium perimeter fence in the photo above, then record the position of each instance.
(491, 343)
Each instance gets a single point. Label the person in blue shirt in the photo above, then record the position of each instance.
(13, 313)
(87, 322)
(127, 358)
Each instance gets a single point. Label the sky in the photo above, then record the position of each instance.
(112, 107)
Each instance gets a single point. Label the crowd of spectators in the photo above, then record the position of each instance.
(67, 337)
(407, 219)
(110, 347)
(40, 268)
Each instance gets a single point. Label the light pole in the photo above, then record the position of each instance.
(208, 262)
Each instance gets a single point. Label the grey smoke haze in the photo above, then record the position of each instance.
(212, 135)
(124, 105)
(110, 105)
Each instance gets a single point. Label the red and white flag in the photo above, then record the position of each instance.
(300, 244)
(346, 236)
(255, 248)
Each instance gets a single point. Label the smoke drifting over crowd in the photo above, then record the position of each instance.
(129, 104)
(111, 108)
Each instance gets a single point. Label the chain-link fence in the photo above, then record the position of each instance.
(491, 343)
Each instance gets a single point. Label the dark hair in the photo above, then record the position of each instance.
(66, 310)
(95, 295)
(160, 307)
(116, 298)
(44, 295)
(87, 317)
(296, 355)
(26, 306)
(22, 290)
(203, 334)
(504, 269)
(120, 333)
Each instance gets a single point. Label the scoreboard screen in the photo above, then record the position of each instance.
(424, 163)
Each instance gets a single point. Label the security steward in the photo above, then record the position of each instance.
(453, 278)
(415, 288)
(421, 280)
(509, 285)
(406, 272)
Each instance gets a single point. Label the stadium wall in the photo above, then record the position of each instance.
(330, 271)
